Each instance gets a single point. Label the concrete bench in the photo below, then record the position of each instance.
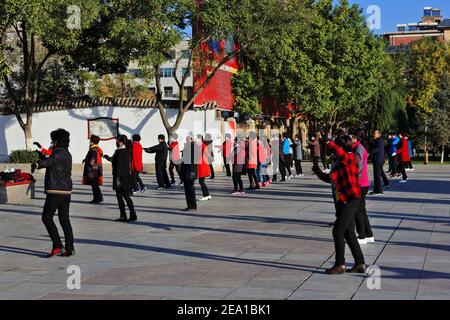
(16, 192)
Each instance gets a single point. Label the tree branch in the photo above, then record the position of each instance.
(15, 105)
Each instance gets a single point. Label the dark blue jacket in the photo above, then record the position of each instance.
(377, 151)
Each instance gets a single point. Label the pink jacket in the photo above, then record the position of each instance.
(362, 156)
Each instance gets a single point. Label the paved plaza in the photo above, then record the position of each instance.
(271, 244)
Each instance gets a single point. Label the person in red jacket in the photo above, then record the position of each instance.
(136, 165)
(203, 169)
(403, 156)
(345, 178)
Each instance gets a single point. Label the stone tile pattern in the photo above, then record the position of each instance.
(271, 244)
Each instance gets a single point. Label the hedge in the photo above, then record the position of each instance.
(23, 156)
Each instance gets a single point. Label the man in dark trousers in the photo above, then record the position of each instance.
(377, 153)
(58, 188)
(162, 151)
(188, 173)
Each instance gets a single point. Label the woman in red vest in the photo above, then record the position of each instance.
(252, 160)
(93, 169)
(403, 156)
(203, 169)
(136, 165)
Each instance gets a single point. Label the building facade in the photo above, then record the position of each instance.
(169, 87)
(432, 24)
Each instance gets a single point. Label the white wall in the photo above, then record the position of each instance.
(146, 122)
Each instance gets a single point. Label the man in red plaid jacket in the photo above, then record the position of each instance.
(345, 178)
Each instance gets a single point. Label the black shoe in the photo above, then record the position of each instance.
(96, 201)
(122, 219)
(189, 209)
(132, 218)
(172, 182)
(67, 253)
(386, 185)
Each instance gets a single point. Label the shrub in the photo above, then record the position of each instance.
(23, 156)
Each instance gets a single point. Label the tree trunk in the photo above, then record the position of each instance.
(28, 137)
(442, 154)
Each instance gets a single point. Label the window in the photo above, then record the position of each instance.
(168, 92)
(436, 12)
(172, 54)
(167, 72)
(185, 54)
(186, 71)
(188, 92)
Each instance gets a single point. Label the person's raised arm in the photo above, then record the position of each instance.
(321, 175)
(338, 151)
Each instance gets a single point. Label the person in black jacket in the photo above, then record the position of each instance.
(58, 188)
(188, 173)
(377, 153)
(162, 151)
(122, 180)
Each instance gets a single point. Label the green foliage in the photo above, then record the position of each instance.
(427, 61)
(247, 91)
(23, 156)
(324, 61)
(439, 127)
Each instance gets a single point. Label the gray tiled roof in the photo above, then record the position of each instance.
(87, 102)
(444, 24)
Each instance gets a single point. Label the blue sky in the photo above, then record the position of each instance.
(402, 11)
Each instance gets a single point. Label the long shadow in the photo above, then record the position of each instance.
(193, 254)
(412, 200)
(441, 247)
(23, 251)
(408, 273)
(237, 217)
(164, 226)
(398, 216)
(406, 229)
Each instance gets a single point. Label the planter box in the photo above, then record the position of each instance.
(17, 193)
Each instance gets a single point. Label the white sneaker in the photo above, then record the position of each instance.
(291, 177)
(362, 241)
(403, 181)
(370, 240)
(205, 198)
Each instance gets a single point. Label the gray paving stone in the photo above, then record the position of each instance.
(271, 244)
